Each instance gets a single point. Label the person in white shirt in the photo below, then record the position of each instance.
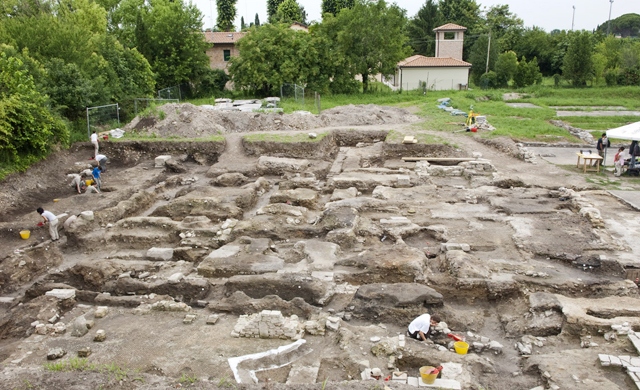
(52, 220)
(76, 181)
(419, 328)
(94, 141)
(102, 162)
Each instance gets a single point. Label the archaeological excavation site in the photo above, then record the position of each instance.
(239, 250)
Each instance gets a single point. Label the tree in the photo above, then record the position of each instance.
(272, 9)
(256, 21)
(290, 11)
(27, 126)
(578, 61)
(269, 56)
(420, 28)
(527, 73)
(505, 26)
(372, 51)
(175, 47)
(548, 48)
(226, 14)
(506, 66)
(334, 6)
(627, 25)
(463, 12)
(478, 56)
(242, 25)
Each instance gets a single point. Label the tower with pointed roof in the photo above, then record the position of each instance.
(449, 40)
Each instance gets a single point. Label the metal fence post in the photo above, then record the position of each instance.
(88, 126)
(118, 113)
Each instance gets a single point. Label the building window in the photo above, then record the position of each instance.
(227, 55)
(450, 35)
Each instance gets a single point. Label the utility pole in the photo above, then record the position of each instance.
(609, 24)
(213, 23)
(488, 51)
(574, 17)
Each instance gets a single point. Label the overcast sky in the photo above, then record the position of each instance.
(548, 14)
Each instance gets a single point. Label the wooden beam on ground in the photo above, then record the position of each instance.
(436, 159)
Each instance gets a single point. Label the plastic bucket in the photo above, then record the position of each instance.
(461, 347)
(426, 376)
(25, 234)
(88, 182)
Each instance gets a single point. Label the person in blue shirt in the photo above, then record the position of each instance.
(96, 177)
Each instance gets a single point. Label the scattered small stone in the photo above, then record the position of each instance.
(84, 352)
(101, 311)
(374, 339)
(212, 319)
(55, 353)
(100, 336)
(189, 318)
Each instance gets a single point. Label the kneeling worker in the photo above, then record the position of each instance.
(419, 328)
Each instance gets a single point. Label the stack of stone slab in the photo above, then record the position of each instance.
(631, 363)
(268, 324)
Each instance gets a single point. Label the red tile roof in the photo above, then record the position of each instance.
(418, 61)
(223, 37)
(450, 27)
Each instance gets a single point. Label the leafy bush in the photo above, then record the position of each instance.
(489, 80)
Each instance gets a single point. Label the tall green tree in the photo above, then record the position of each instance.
(226, 14)
(27, 127)
(478, 56)
(272, 9)
(334, 6)
(506, 66)
(242, 25)
(256, 21)
(505, 27)
(463, 12)
(578, 61)
(290, 11)
(372, 50)
(527, 73)
(420, 28)
(270, 56)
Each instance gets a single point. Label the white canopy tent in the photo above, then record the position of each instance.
(629, 132)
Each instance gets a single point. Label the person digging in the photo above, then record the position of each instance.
(420, 327)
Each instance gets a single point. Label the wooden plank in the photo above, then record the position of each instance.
(435, 159)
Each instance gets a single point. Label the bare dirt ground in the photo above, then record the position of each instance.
(541, 261)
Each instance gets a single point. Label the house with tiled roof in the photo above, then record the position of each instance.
(223, 47)
(445, 71)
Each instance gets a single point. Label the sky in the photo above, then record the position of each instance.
(548, 14)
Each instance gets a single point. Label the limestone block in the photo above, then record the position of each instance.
(161, 160)
(176, 278)
(87, 215)
(55, 353)
(61, 293)
(100, 336)
(413, 381)
(160, 253)
(347, 193)
(84, 352)
(69, 221)
(189, 318)
(212, 319)
(279, 165)
(403, 181)
(79, 327)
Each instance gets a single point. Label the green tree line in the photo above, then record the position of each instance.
(68, 55)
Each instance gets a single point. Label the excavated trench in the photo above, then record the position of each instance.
(333, 234)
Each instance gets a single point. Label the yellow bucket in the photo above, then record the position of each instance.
(89, 182)
(461, 347)
(25, 234)
(426, 376)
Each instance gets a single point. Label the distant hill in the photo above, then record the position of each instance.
(627, 25)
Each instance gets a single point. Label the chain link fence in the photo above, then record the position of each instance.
(174, 92)
(102, 118)
(141, 104)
